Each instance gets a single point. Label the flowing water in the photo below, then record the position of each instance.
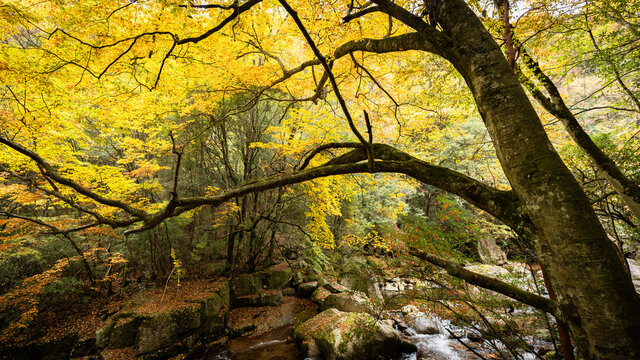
(278, 344)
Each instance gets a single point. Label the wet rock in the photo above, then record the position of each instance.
(305, 290)
(347, 302)
(422, 323)
(349, 336)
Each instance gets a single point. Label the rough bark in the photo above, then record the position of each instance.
(585, 268)
(555, 105)
(584, 265)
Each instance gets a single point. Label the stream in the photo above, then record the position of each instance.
(278, 344)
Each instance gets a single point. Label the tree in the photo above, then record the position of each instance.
(546, 206)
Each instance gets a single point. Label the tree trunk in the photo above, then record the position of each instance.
(584, 266)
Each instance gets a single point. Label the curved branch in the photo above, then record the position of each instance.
(504, 205)
(50, 172)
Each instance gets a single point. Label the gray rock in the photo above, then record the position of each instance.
(490, 252)
(422, 323)
(347, 302)
(334, 287)
(305, 290)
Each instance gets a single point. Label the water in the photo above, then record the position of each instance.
(278, 344)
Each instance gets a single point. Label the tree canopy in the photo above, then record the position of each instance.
(123, 121)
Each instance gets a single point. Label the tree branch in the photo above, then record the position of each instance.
(489, 283)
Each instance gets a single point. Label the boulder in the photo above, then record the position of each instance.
(490, 252)
(305, 290)
(246, 284)
(262, 298)
(164, 329)
(214, 311)
(276, 279)
(347, 302)
(422, 323)
(288, 291)
(124, 332)
(338, 335)
(634, 269)
(334, 287)
(319, 295)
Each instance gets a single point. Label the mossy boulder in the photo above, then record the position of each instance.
(338, 335)
(319, 295)
(262, 298)
(165, 329)
(246, 284)
(305, 290)
(347, 302)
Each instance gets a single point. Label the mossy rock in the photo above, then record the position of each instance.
(319, 295)
(277, 279)
(165, 329)
(349, 336)
(125, 332)
(246, 284)
(346, 301)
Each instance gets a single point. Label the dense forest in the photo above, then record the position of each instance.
(293, 179)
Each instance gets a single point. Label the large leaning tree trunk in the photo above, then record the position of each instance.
(585, 268)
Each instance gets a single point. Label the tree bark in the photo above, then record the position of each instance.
(584, 266)
(555, 105)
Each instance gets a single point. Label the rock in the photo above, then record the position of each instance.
(334, 287)
(490, 252)
(124, 332)
(214, 311)
(276, 279)
(262, 298)
(374, 292)
(103, 334)
(288, 291)
(634, 269)
(319, 295)
(422, 323)
(408, 309)
(489, 270)
(347, 302)
(246, 284)
(349, 336)
(305, 290)
(165, 329)
(84, 347)
(297, 278)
